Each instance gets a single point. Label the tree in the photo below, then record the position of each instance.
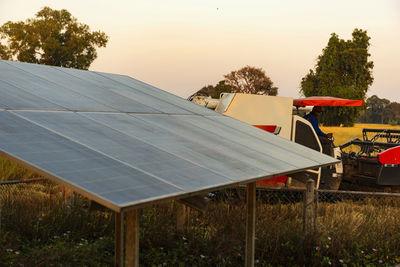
(250, 80)
(53, 37)
(381, 110)
(215, 91)
(342, 70)
(391, 113)
(375, 108)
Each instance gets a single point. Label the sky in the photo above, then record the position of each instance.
(181, 46)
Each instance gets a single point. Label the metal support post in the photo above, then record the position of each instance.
(132, 239)
(119, 239)
(180, 218)
(127, 239)
(309, 209)
(250, 224)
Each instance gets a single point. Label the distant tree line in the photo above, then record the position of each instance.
(380, 110)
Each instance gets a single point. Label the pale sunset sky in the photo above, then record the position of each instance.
(180, 46)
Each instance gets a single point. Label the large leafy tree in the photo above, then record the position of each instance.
(342, 70)
(391, 113)
(381, 110)
(248, 80)
(215, 91)
(375, 109)
(53, 37)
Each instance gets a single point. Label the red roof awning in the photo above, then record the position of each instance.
(327, 101)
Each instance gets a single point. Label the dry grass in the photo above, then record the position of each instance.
(38, 224)
(12, 171)
(353, 232)
(40, 228)
(345, 134)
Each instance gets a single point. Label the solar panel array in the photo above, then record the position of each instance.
(124, 143)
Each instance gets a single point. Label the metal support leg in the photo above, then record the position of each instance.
(119, 239)
(250, 224)
(181, 218)
(309, 209)
(132, 239)
(127, 239)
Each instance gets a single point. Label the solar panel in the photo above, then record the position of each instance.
(124, 143)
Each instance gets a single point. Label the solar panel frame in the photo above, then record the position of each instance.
(172, 149)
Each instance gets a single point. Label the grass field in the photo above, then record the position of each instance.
(12, 171)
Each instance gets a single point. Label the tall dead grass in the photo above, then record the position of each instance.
(12, 171)
(38, 223)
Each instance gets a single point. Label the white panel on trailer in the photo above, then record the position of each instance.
(256, 110)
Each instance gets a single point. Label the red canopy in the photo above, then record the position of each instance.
(327, 101)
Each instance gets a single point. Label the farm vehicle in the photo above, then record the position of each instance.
(376, 162)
